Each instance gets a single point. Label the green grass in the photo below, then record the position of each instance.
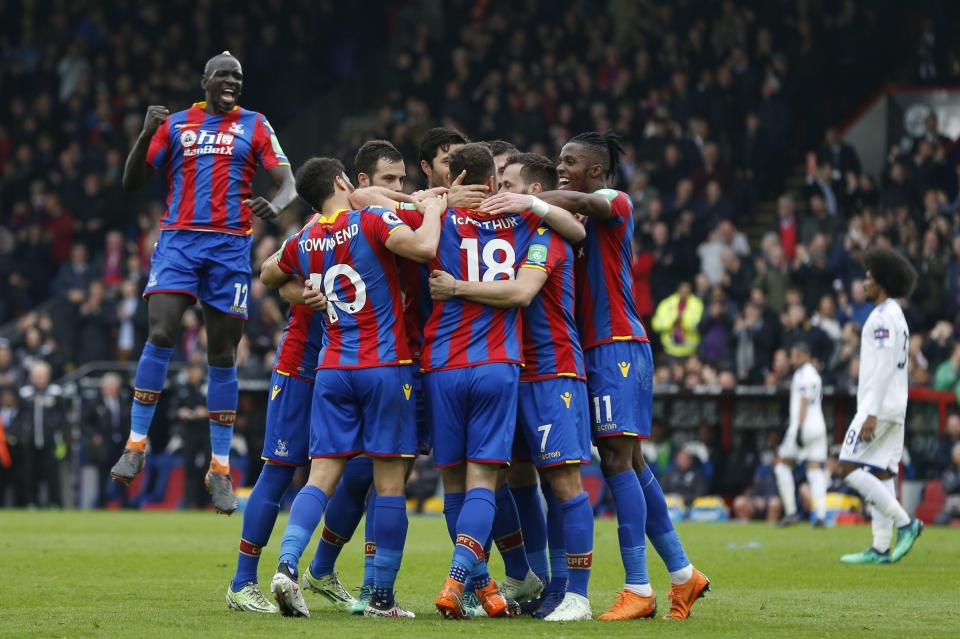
(164, 575)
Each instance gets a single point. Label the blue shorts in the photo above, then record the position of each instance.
(368, 411)
(209, 266)
(288, 420)
(424, 433)
(620, 384)
(553, 420)
(473, 413)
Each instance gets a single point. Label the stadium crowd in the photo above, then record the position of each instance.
(726, 112)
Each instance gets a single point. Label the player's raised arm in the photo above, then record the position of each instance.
(589, 204)
(513, 293)
(557, 218)
(147, 153)
(420, 245)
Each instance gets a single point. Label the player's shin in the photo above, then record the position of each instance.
(508, 536)
(305, 516)
(370, 539)
(876, 494)
(391, 533)
(343, 515)
(578, 533)
(473, 525)
(222, 391)
(259, 516)
(817, 477)
(534, 525)
(556, 538)
(150, 378)
(786, 488)
(631, 515)
(660, 529)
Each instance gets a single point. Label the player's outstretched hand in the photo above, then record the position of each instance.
(262, 208)
(469, 196)
(442, 285)
(156, 115)
(507, 203)
(313, 298)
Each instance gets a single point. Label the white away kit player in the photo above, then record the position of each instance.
(805, 439)
(873, 445)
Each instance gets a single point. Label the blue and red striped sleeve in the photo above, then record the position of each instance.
(159, 146)
(266, 146)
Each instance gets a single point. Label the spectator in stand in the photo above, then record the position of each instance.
(773, 277)
(761, 500)
(676, 320)
(822, 189)
(951, 486)
(848, 349)
(826, 319)
(841, 157)
(716, 331)
(947, 376)
(10, 374)
(755, 340)
(798, 329)
(95, 322)
(949, 439)
(787, 227)
(918, 369)
(659, 450)
(105, 425)
(127, 343)
(952, 281)
(684, 479)
(188, 415)
(938, 345)
(856, 308)
(75, 275)
(41, 431)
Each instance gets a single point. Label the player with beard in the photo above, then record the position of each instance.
(619, 365)
(209, 154)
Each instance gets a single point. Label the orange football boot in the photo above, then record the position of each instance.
(683, 596)
(494, 603)
(450, 600)
(630, 605)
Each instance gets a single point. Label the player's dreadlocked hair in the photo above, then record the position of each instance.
(474, 158)
(608, 146)
(891, 271)
(535, 168)
(370, 153)
(315, 180)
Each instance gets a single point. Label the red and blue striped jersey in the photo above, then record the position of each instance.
(299, 347)
(210, 161)
(551, 344)
(415, 279)
(606, 308)
(346, 255)
(476, 247)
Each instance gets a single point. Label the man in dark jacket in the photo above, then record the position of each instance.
(41, 431)
(105, 425)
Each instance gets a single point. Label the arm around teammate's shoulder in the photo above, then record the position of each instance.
(589, 204)
(420, 245)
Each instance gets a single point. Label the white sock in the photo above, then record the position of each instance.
(786, 488)
(681, 576)
(818, 491)
(644, 590)
(876, 494)
(882, 527)
(137, 437)
(223, 460)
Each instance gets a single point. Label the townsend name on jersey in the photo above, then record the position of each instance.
(327, 242)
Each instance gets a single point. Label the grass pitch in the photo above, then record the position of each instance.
(138, 574)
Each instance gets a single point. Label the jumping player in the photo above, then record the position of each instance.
(209, 154)
(619, 366)
(552, 412)
(362, 393)
(805, 439)
(872, 448)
